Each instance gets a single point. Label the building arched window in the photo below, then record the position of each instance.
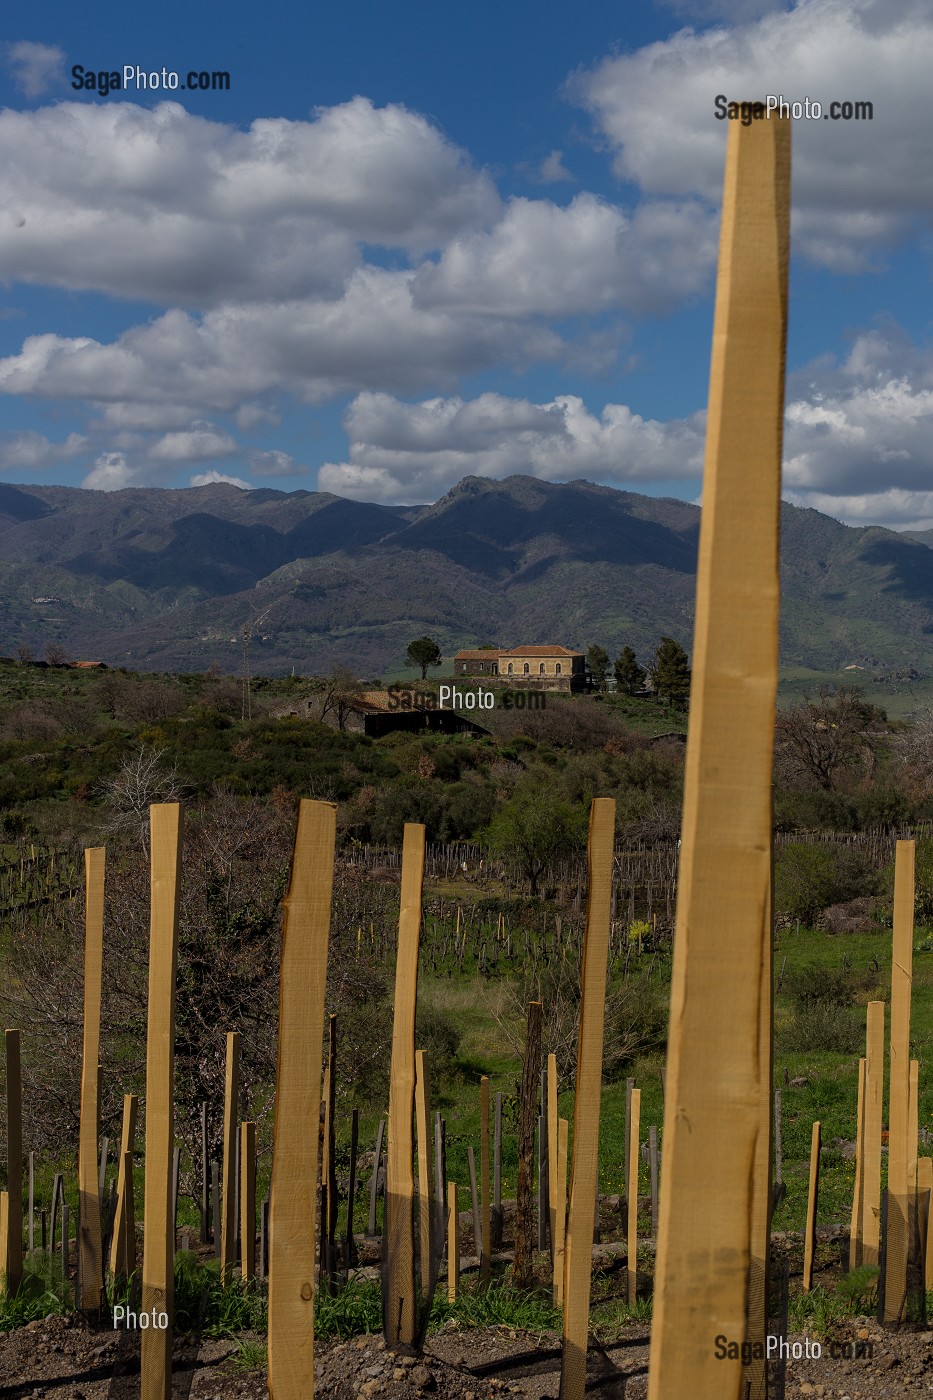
(463, 668)
(541, 669)
(526, 669)
(510, 668)
(557, 669)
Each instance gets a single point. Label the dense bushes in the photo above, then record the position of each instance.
(808, 878)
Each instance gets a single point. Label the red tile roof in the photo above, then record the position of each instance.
(540, 651)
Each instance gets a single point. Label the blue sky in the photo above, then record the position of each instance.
(421, 241)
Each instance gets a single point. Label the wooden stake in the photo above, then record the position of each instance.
(809, 1239)
(374, 1180)
(118, 1240)
(158, 1237)
(898, 1217)
(925, 1192)
(485, 1264)
(527, 1110)
(400, 1181)
(497, 1172)
(89, 1248)
(293, 1190)
(560, 1211)
(584, 1179)
(552, 1117)
(425, 1192)
(474, 1202)
(229, 1201)
(349, 1254)
(632, 1199)
(858, 1194)
(248, 1200)
(129, 1217)
(205, 1180)
(453, 1242)
(4, 1238)
(874, 1086)
(13, 1256)
(716, 1080)
(653, 1166)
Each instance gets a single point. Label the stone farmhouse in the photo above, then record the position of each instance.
(540, 667)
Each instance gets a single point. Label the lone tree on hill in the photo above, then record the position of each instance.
(597, 659)
(423, 652)
(819, 740)
(670, 673)
(630, 677)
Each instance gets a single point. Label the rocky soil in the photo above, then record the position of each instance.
(62, 1359)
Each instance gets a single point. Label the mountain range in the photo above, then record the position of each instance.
(167, 579)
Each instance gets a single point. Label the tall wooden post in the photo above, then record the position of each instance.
(716, 1082)
(632, 1199)
(248, 1201)
(924, 1193)
(874, 1089)
(159, 1235)
(809, 1239)
(858, 1193)
(425, 1192)
(453, 1243)
(560, 1210)
(12, 1257)
(485, 1262)
(89, 1248)
(230, 1204)
(898, 1209)
(552, 1119)
(584, 1177)
(400, 1184)
(528, 1096)
(118, 1235)
(293, 1190)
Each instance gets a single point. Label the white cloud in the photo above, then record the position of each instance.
(250, 416)
(588, 257)
(211, 478)
(414, 452)
(31, 451)
(895, 509)
(858, 186)
(375, 335)
(111, 472)
(35, 67)
(165, 206)
(198, 444)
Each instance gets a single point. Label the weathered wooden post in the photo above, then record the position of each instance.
(32, 1200)
(497, 1173)
(374, 1179)
(4, 1237)
(205, 1233)
(349, 1256)
(118, 1241)
(453, 1243)
(129, 1216)
(248, 1201)
(89, 1249)
(544, 1188)
(485, 1263)
(858, 1192)
(13, 1256)
(293, 1191)
(898, 1217)
(425, 1194)
(230, 1204)
(632, 1200)
(653, 1167)
(552, 1119)
(717, 1083)
(809, 1239)
(584, 1177)
(874, 1088)
(528, 1095)
(400, 1185)
(158, 1236)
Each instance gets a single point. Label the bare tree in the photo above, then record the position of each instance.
(820, 740)
(144, 778)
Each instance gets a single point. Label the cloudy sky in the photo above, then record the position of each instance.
(411, 243)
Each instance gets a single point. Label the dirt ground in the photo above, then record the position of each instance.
(62, 1359)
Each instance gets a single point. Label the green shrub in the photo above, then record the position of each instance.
(807, 878)
(822, 1026)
